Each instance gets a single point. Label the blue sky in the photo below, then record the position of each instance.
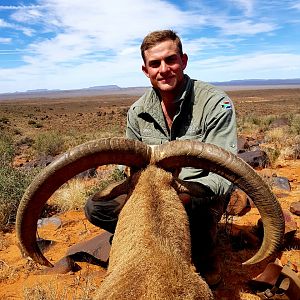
(68, 44)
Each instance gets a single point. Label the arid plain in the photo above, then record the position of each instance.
(86, 118)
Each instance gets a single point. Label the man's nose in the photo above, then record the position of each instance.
(163, 67)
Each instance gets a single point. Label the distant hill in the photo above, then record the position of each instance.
(85, 92)
(114, 89)
(259, 82)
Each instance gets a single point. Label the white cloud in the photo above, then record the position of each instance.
(79, 76)
(115, 24)
(27, 31)
(80, 44)
(101, 27)
(204, 45)
(246, 5)
(296, 5)
(4, 24)
(246, 27)
(126, 71)
(26, 14)
(16, 7)
(5, 41)
(89, 44)
(85, 32)
(249, 66)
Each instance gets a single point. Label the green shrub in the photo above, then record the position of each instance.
(6, 149)
(273, 154)
(13, 183)
(295, 124)
(17, 131)
(38, 125)
(254, 124)
(26, 140)
(31, 122)
(49, 143)
(4, 120)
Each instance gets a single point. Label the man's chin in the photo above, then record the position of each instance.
(167, 87)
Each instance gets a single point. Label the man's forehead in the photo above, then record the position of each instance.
(164, 48)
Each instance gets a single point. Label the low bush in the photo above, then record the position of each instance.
(71, 196)
(74, 193)
(13, 183)
(295, 124)
(49, 143)
(6, 149)
(31, 122)
(4, 120)
(254, 124)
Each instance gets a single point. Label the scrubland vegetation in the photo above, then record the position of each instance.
(32, 133)
(42, 128)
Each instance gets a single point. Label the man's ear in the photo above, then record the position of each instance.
(184, 59)
(145, 70)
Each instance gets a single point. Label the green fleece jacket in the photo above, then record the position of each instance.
(205, 113)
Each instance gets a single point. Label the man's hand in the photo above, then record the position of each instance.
(185, 198)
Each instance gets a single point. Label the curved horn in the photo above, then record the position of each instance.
(88, 155)
(196, 154)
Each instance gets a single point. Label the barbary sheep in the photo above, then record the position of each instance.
(151, 245)
(150, 256)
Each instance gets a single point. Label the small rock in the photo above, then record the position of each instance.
(242, 144)
(49, 221)
(257, 159)
(280, 122)
(290, 225)
(295, 208)
(238, 204)
(281, 183)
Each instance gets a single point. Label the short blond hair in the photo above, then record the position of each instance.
(156, 37)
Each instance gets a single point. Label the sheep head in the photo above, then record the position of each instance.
(135, 154)
(152, 239)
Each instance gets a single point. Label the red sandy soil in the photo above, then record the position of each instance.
(19, 278)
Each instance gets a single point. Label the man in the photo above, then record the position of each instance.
(177, 107)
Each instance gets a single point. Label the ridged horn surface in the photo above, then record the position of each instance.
(83, 157)
(177, 154)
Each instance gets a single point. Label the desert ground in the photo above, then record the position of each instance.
(81, 119)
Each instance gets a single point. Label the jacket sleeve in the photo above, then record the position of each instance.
(221, 131)
(132, 128)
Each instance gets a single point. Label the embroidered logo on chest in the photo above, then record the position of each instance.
(226, 105)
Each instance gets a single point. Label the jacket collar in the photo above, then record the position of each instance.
(152, 104)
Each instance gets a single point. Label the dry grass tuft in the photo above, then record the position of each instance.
(40, 291)
(7, 213)
(7, 273)
(74, 193)
(83, 287)
(277, 136)
(71, 196)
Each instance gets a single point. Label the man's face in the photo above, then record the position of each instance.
(164, 66)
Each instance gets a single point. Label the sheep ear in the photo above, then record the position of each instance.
(192, 188)
(83, 157)
(209, 157)
(113, 190)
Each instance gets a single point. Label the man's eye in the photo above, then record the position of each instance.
(154, 64)
(171, 60)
